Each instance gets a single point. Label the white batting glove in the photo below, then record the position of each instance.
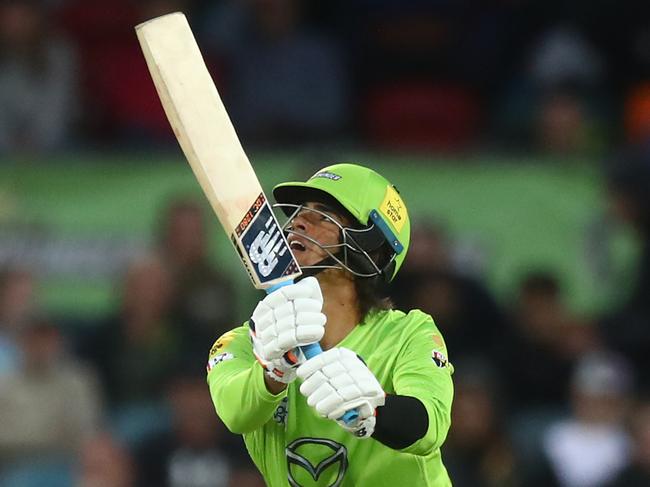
(283, 321)
(337, 381)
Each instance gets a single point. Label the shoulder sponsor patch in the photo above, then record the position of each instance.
(393, 208)
(439, 358)
(221, 342)
(217, 359)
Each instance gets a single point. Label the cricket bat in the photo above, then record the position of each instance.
(211, 146)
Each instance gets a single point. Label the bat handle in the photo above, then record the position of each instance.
(312, 350)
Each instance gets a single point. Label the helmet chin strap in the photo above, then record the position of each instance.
(322, 265)
(331, 263)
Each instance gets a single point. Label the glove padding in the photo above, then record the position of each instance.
(283, 321)
(337, 381)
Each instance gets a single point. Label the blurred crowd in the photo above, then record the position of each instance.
(550, 76)
(544, 396)
(122, 400)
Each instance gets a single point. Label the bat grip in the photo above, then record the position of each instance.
(312, 350)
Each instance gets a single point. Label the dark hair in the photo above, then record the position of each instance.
(540, 283)
(372, 292)
(371, 295)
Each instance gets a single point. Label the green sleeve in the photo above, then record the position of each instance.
(422, 371)
(236, 382)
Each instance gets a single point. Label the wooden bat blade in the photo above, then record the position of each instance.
(213, 150)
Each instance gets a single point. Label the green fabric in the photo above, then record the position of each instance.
(360, 190)
(398, 349)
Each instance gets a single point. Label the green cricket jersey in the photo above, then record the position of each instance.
(292, 445)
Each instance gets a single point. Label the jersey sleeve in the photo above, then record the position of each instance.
(423, 371)
(236, 382)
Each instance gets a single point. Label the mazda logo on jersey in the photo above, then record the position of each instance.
(321, 459)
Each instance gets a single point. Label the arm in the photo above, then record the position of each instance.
(391, 428)
(237, 384)
(249, 368)
(415, 418)
(423, 374)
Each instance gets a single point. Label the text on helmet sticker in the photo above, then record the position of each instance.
(393, 208)
(327, 175)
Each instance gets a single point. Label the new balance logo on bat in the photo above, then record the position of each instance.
(265, 250)
(267, 247)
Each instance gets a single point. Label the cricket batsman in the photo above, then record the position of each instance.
(348, 228)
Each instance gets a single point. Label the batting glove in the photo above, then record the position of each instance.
(337, 381)
(283, 321)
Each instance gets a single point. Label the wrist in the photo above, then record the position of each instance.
(273, 386)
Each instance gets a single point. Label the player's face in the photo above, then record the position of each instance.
(317, 222)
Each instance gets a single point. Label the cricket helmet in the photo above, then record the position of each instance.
(376, 245)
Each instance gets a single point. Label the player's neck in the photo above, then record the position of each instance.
(339, 305)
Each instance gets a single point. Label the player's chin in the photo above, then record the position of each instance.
(307, 258)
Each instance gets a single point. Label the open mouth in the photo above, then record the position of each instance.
(296, 245)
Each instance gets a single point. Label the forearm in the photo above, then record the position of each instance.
(242, 399)
(273, 386)
(401, 421)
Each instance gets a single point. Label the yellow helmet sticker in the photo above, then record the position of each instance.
(393, 208)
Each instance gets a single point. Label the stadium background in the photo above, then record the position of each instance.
(502, 124)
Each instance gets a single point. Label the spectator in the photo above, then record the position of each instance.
(637, 114)
(557, 103)
(16, 302)
(138, 348)
(477, 452)
(17, 289)
(103, 462)
(38, 80)
(199, 451)
(564, 124)
(591, 447)
(203, 300)
(637, 474)
(564, 54)
(284, 83)
(119, 104)
(51, 404)
(542, 344)
(627, 329)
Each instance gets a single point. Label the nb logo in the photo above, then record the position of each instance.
(267, 246)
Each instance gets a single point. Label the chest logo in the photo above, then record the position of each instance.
(317, 457)
(281, 412)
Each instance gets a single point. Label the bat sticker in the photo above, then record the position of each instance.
(264, 244)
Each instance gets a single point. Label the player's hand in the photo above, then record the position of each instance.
(283, 321)
(337, 381)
